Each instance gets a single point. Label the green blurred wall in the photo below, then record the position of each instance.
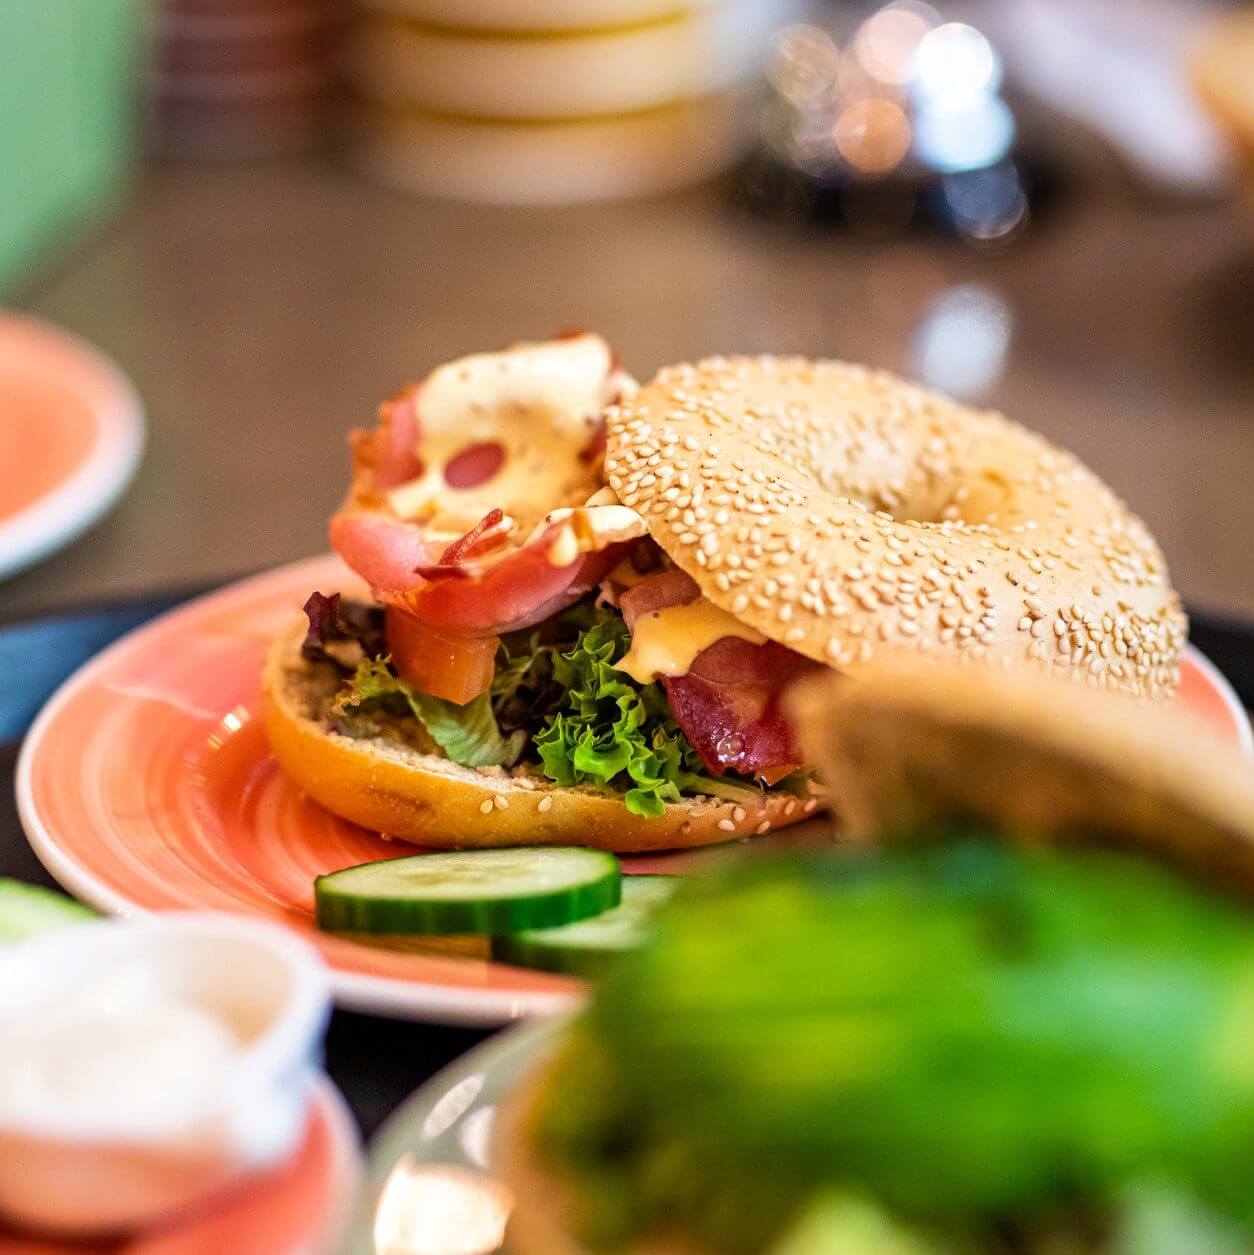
(69, 75)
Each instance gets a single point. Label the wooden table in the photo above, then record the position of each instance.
(261, 310)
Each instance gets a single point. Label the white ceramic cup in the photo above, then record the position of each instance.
(103, 1167)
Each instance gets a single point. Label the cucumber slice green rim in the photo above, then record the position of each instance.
(469, 891)
(27, 910)
(585, 948)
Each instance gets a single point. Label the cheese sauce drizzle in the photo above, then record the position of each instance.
(666, 642)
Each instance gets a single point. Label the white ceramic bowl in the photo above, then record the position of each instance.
(107, 1165)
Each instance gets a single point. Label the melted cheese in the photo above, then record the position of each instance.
(666, 642)
(540, 402)
(589, 528)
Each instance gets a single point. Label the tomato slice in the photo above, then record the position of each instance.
(457, 668)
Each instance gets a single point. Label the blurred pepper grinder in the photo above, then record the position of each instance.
(242, 78)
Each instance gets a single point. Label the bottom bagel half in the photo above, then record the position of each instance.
(387, 785)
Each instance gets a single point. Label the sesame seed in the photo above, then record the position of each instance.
(726, 825)
(733, 457)
(485, 808)
(501, 803)
(545, 803)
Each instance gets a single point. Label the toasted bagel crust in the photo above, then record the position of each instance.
(429, 801)
(1220, 62)
(843, 511)
(907, 742)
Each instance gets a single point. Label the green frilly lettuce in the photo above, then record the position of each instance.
(611, 731)
(468, 734)
(557, 695)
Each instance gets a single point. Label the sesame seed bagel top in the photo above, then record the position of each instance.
(843, 511)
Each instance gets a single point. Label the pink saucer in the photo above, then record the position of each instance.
(147, 784)
(296, 1209)
(71, 434)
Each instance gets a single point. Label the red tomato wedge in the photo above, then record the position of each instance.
(456, 668)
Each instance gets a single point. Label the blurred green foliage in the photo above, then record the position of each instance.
(69, 75)
(974, 1036)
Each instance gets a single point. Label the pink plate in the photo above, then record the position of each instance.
(147, 784)
(298, 1208)
(71, 432)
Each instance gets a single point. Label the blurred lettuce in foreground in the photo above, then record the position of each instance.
(967, 1048)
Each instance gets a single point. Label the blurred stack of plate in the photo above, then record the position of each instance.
(242, 78)
(553, 100)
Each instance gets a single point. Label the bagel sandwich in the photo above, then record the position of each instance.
(586, 598)
(1019, 1020)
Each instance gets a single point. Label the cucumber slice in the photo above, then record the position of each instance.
(26, 910)
(470, 891)
(585, 948)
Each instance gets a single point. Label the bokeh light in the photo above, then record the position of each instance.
(978, 133)
(954, 64)
(987, 206)
(961, 345)
(872, 135)
(803, 65)
(439, 1209)
(886, 42)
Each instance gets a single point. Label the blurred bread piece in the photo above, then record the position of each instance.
(1222, 64)
(1033, 753)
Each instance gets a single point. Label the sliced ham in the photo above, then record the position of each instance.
(658, 592)
(474, 465)
(384, 551)
(728, 702)
(446, 444)
(394, 446)
(728, 706)
(468, 546)
(460, 587)
(504, 591)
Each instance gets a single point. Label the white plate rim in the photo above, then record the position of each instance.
(377, 995)
(63, 514)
